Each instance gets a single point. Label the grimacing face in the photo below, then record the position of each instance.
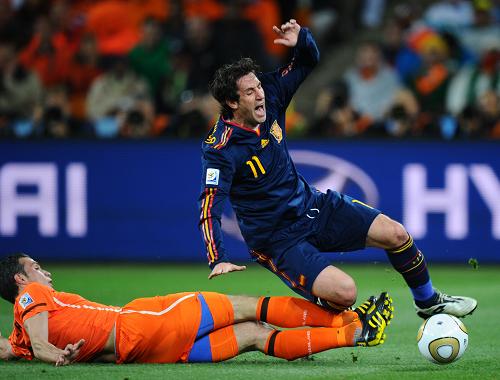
(250, 110)
(34, 272)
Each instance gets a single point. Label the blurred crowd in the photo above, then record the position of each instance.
(140, 68)
(434, 72)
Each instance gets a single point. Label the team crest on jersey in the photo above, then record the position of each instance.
(277, 132)
(25, 300)
(212, 176)
(211, 138)
(264, 143)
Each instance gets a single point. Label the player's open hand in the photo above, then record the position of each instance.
(288, 33)
(70, 353)
(223, 268)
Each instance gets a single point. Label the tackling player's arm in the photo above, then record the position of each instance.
(37, 328)
(218, 171)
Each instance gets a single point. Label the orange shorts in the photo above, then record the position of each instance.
(163, 329)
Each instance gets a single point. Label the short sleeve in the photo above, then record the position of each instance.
(34, 299)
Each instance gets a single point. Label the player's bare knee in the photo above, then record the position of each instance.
(251, 335)
(244, 307)
(348, 292)
(397, 234)
(335, 286)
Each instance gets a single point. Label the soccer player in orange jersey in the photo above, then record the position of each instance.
(62, 328)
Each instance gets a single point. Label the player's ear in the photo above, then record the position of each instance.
(20, 279)
(233, 104)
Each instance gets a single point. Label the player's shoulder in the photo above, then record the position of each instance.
(32, 293)
(220, 137)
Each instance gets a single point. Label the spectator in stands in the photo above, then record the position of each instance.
(482, 120)
(18, 19)
(150, 58)
(236, 37)
(489, 106)
(114, 93)
(472, 81)
(485, 32)
(136, 124)
(83, 69)
(450, 14)
(372, 84)
(396, 51)
(430, 83)
(264, 14)
(20, 92)
(335, 117)
(54, 118)
(48, 53)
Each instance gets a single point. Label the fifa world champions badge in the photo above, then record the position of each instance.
(25, 300)
(277, 132)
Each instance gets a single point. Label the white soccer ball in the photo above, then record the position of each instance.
(442, 338)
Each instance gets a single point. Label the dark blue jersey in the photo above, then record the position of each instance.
(253, 167)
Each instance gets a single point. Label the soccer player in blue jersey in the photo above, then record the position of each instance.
(285, 222)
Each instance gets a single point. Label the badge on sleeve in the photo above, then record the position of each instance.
(212, 176)
(25, 300)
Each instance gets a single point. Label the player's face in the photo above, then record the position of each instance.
(34, 272)
(251, 108)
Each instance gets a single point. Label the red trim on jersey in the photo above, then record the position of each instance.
(224, 138)
(216, 254)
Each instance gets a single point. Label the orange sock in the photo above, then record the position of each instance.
(297, 312)
(293, 344)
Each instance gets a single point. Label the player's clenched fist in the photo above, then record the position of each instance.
(222, 268)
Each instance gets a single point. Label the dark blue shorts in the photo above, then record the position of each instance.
(334, 223)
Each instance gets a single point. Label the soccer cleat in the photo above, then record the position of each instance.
(363, 308)
(374, 314)
(457, 306)
(387, 312)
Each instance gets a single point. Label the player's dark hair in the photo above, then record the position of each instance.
(9, 267)
(224, 87)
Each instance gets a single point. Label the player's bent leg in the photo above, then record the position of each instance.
(336, 287)
(244, 307)
(289, 312)
(285, 311)
(403, 254)
(407, 259)
(386, 233)
(294, 344)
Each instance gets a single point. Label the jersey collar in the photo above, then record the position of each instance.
(256, 130)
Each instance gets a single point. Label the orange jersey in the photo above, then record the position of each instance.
(71, 318)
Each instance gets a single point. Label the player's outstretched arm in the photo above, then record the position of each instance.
(223, 268)
(37, 328)
(288, 33)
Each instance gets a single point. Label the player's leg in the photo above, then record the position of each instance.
(407, 259)
(230, 341)
(307, 272)
(282, 311)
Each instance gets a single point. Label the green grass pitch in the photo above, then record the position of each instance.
(398, 358)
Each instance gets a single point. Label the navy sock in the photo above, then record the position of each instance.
(410, 263)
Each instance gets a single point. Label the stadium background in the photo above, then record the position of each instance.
(103, 106)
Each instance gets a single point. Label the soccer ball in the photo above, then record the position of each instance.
(442, 338)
